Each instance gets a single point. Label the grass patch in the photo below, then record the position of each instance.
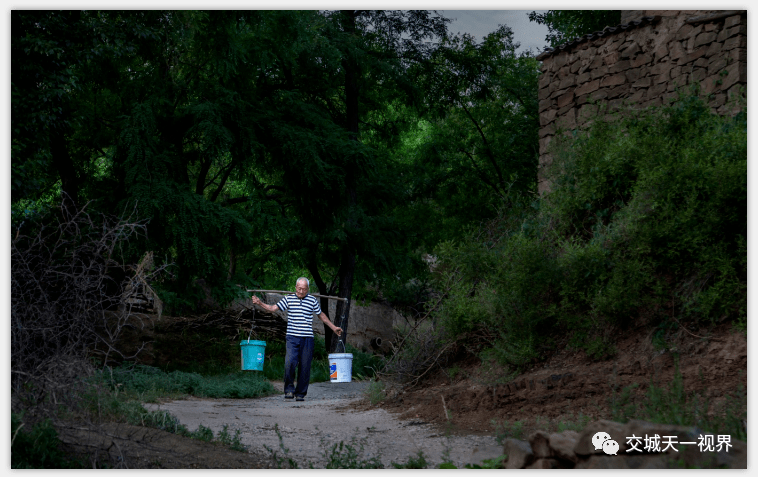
(508, 430)
(375, 391)
(577, 423)
(147, 383)
(117, 395)
(38, 447)
(350, 456)
(414, 462)
(671, 405)
(337, 456)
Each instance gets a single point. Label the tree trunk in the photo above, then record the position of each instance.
(322, 289)
(342, 315)
(64, 165)
(347, 263)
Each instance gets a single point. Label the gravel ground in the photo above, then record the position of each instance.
(328, 416)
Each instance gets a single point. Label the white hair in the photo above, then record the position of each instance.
(303, 279)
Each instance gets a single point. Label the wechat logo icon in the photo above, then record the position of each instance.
(602, 440)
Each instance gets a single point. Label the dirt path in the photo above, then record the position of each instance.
(330, 414)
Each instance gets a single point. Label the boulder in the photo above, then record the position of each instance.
(519, 453)
(562, 445)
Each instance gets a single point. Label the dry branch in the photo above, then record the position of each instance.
(65, 302)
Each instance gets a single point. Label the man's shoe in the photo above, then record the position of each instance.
(288, 395)
(300, 398)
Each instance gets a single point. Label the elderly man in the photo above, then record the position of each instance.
(300, 310)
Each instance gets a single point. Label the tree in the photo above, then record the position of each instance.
(565, 25)
(251, 141)
(480, 146)
(376, 49)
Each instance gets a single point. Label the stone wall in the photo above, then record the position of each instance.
(641, 63)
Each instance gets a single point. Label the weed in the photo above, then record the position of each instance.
(417, 462)
(283, 460)
(577, 425)
(507, 430)
(350, 456)
(453, 372)
(494, 463)
(375, 391)
(447, 461)
(202, 433)
(234, 443)
(38, 447)
(672, 405)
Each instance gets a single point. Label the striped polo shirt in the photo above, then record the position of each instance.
(300, 314)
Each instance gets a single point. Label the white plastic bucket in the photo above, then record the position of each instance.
(340, 367)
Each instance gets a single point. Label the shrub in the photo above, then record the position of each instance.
(647, 217)
(37, 447)
(672, 405)
(659, 200)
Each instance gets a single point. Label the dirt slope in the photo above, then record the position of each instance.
(558, 391)
(570, 383)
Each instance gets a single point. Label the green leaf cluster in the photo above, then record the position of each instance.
(645, 225)
(566, 25)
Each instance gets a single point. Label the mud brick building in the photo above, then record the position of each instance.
(640, 63)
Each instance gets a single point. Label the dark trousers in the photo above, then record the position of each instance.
(299, 354)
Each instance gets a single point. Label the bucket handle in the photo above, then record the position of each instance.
(340, 342)
(251, 326)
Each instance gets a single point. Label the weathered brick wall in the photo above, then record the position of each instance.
(641, 63)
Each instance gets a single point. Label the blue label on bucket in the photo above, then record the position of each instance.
(260, 357)
(332, 370)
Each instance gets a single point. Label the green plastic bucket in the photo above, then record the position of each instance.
(252, 355)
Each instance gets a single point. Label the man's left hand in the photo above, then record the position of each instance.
(338, 331)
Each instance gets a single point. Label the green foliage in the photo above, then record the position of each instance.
(117, 395)
(231, 133)
(577, 425)
(337, 456)
(414, 462)
(494, 463)
(646, 216)
(283, 460)
(350, 456)
(565, 25)
(663, 210)
(496, 284)
(202, 433)
(152, 382)
(479, 145)
(508, 430)
(233, 442)
(206, 352)
(375, 391)
(672, 405)
(38, 447)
